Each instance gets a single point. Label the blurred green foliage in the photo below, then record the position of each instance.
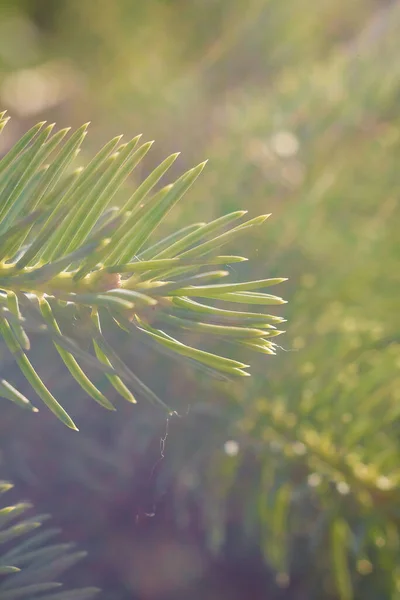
(28, 567)
(297, 108)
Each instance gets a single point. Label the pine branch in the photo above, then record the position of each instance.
(66, 250)
(30, 562)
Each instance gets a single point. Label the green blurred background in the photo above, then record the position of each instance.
(288, 487)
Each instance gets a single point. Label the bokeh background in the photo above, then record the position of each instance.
(287, 487)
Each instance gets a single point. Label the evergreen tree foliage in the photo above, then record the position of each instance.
(72, 264)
